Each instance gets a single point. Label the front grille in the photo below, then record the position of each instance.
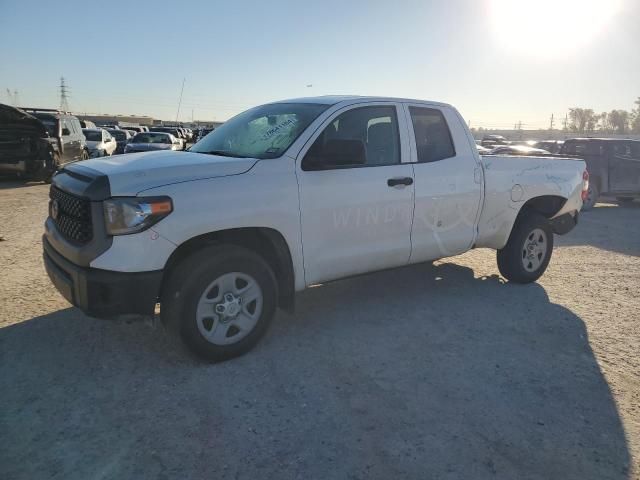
(73, 217)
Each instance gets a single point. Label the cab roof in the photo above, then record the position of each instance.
(335, 99)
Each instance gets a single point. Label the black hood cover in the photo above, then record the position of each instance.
(14, 117)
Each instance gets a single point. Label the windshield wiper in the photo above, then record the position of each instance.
(223, 153)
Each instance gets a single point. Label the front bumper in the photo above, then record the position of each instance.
(13, 167)
(102, 293)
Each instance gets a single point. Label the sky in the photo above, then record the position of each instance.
(498, 61)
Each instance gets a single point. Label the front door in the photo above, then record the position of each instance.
(70, 141)
(356, 195)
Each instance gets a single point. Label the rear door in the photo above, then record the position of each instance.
(624, 167)
(356, 193)
(448, 183)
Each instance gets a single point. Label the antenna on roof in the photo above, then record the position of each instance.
(180, 101)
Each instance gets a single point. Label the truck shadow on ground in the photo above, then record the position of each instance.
(608, 226)
(419, 372)
(10, 182)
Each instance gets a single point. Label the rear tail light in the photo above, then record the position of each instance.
(585, 185)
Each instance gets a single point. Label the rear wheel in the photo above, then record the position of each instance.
(592, 196)
(221, 301)
(526, 255)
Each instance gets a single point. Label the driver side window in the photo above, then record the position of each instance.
(365, 136)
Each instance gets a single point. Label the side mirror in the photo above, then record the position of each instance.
(65, 132)
(336, 154)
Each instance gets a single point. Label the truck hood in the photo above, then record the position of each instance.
(11, 117)
(133, 173)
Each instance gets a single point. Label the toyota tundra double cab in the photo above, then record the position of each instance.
(292, 194)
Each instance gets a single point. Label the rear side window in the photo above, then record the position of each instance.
(433, 138)
(583, 148)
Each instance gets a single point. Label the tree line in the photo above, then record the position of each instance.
(585, 120)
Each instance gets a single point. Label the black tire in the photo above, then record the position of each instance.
(188, 282)
(84, 155)
(592, 196)
(512, 258)
(51, 167)
(624, 200)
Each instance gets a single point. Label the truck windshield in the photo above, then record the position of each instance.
(262, 132)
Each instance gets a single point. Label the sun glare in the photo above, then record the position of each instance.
(550, 28)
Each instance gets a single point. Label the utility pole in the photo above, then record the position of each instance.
(565, 122)
(64, 96)
(180, 101)
(520, 129)
(551, 123)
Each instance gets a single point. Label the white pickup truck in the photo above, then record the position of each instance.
(292, 194)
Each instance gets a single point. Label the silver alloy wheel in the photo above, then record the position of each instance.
(229, 308)
(534, 250)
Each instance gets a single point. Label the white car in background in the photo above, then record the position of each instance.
(100, 143)
(147, 141)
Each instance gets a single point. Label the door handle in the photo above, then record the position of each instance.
(392, 182)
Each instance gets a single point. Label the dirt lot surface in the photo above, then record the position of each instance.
(430, 371)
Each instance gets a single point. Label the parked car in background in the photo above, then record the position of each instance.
(122, 137)
(493, 140)
(517, 150)
(146, 141)
(613, 164)
(173, 131)
(34, 144)
(87, 124)
(99, 142)
(136, 128)
(201, 133)
(552, 146)
(482, 150)
(131, 133)
(289, 181)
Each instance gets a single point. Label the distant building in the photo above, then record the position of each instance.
(120, 120)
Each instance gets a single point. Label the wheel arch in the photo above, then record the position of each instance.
(546, 205)
(268, 243)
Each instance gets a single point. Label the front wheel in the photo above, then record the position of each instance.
(51, 167)
(526, 255)
(221, 300)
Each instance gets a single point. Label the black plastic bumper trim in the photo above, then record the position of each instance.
(564, 223)
(102, 293)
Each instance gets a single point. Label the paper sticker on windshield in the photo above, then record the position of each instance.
(278, 128)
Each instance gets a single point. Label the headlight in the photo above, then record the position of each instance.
(124, 216)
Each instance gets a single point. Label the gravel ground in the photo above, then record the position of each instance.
(429, 371)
